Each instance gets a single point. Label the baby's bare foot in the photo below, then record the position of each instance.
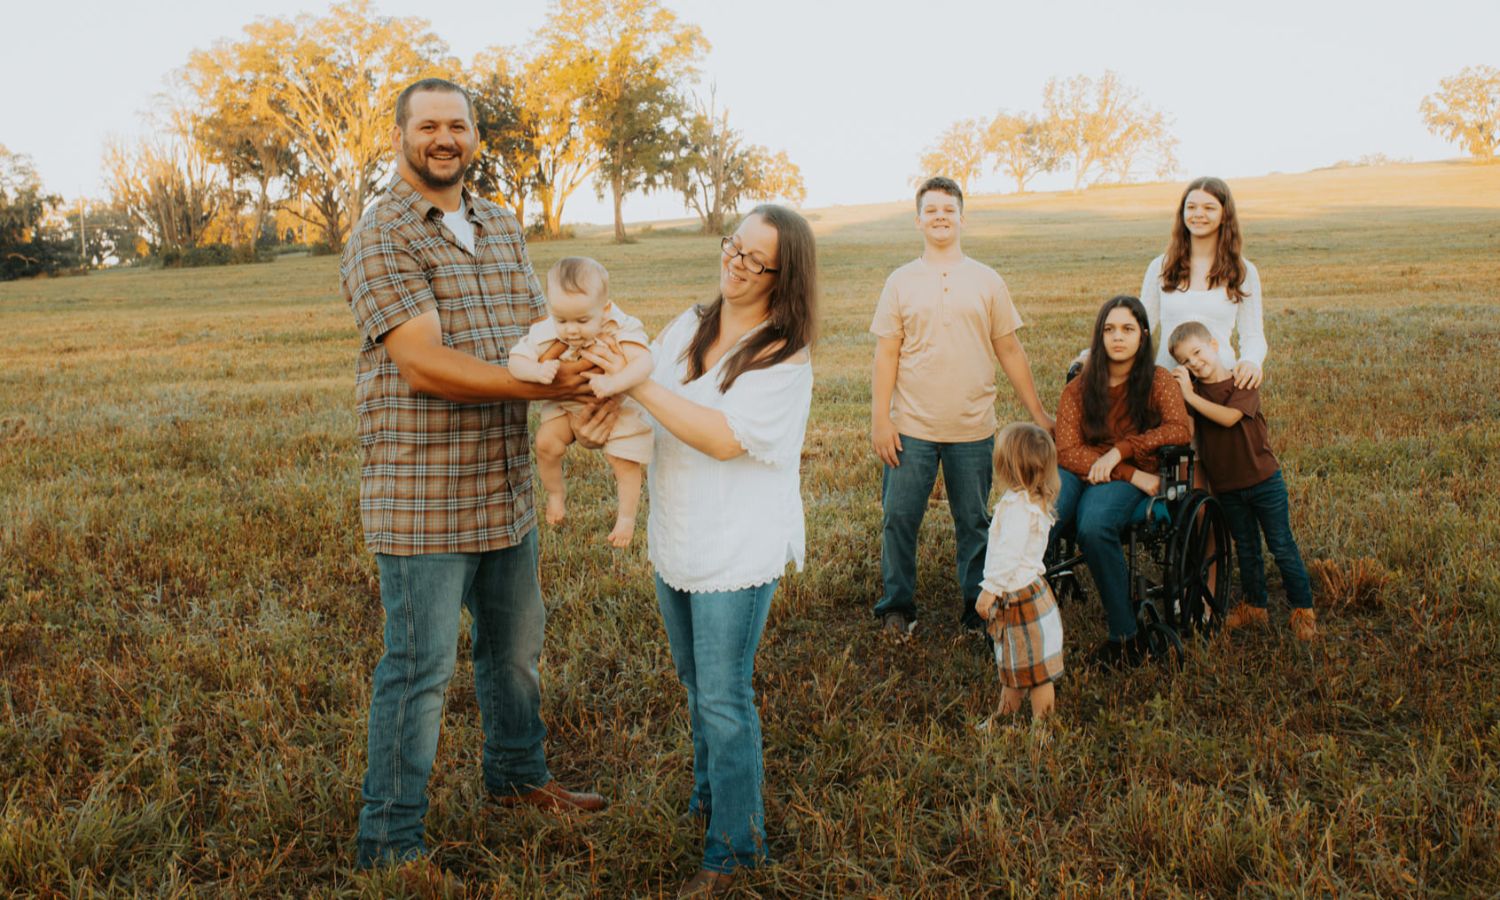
(557, 509)
(624, 530)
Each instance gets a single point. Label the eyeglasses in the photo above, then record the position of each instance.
(755, 266)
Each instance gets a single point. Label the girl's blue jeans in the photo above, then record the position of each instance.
(1099, 515)
(714, 637)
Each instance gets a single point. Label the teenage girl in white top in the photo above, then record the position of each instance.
(729, 398)
(1203, 277)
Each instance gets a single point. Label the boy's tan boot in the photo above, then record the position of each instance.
(1304, 624)
(1245, 614)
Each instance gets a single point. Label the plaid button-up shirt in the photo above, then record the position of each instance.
(439, 477)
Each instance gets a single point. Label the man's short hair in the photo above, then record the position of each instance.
(943, 184)
(1191, 330)
(403, 102)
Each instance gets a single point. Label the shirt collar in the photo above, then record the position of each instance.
(402, 190)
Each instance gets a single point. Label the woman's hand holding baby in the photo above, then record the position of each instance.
(622, 369)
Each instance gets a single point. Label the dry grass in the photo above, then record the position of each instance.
(188, 622)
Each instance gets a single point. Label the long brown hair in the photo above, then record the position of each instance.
(1095, 377)
(1228, 268)
(791, 309)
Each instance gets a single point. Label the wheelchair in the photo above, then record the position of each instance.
(1178, 560)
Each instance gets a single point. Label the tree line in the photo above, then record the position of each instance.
(1099, 129)
(286, 129)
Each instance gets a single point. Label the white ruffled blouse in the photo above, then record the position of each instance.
(725, 525)
(1017, 544)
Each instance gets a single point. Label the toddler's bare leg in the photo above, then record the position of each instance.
(628, 490)
(1043, 699)
(552, 440)
(1010, 700)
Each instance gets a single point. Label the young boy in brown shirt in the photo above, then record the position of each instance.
(1235, 448)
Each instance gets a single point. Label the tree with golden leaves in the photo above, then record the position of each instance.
(1105, 127)
(234, 130)
(627, 60)
(959, 154)
(715, 170)
(566, 158)
(328, 85)
(1466, 111)
(166, 184)
(506, 165)
(1022, 145)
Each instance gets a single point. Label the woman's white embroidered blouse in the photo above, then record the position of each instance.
(724, 525)
(1167, 309)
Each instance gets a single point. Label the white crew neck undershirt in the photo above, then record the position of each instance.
(461, 227)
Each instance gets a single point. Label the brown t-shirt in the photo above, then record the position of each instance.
(1239, 456)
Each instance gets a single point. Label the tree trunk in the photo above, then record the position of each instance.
(617, 187)
(234, 216)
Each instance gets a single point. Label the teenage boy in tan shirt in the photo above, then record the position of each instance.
(942, 323)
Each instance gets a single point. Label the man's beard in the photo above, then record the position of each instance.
(419, 165)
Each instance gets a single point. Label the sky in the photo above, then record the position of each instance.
(854, 91)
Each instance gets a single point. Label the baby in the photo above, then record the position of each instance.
(581, 313)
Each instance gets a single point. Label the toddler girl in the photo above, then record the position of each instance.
(1015, 600)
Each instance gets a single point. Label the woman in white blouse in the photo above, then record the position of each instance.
(730, 398)
(1203, 277)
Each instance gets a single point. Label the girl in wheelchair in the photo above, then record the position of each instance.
(1111, 421)
(1014, 598)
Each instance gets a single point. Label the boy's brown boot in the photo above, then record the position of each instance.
(1245, 614)
(1304, 624)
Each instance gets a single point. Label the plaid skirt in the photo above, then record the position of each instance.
(1027, 630)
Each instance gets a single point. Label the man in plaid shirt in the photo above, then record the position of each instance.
(440, 286)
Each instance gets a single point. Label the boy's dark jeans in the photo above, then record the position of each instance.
(1263, 508)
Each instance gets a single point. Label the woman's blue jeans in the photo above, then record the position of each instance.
(714, 637)
(1099, 515)
(422, 596)
(1258, 509)
(904, 490)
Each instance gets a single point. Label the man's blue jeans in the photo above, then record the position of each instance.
(714, 637)
(1099, 515)
(1264, 508)
(904, 491)
(422, 596)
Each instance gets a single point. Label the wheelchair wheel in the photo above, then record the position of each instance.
(1163, 646)
(1201, 561)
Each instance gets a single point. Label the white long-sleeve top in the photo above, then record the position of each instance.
(1165, 310)
(726, 525)
(1017, 544)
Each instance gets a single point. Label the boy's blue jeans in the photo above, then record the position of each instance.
(422, 596)
(1263, 508)
(904, 490)
(714, 637)
(1099, 515)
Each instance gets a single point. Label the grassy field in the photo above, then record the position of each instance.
(189, 619)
